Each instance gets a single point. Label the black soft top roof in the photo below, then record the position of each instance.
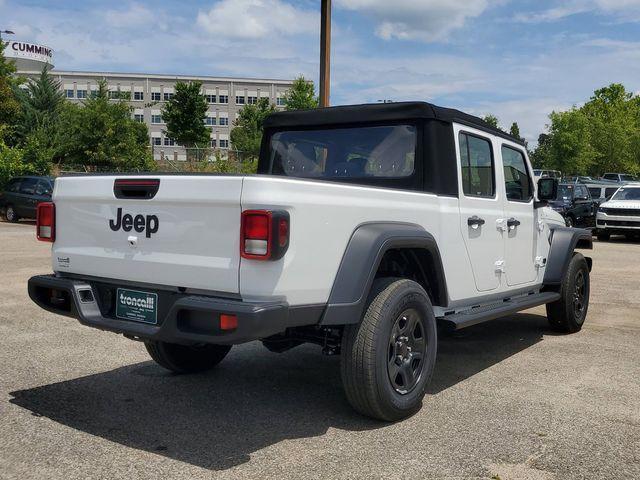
(378, 112)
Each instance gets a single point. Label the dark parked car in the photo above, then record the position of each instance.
(22, 196)
(575, 204)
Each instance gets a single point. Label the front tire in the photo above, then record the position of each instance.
(388, 358)
(10, 214)
(186, 358)
(567, 314)
(569, 222)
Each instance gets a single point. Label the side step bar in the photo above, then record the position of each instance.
(485, 313)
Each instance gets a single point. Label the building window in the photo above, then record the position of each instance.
(239, 99)
(155, 96)
(213, 143)
(169, 142)
(138, 96)
(81, 94)
(157, 141)
(69, 93)
(138, 117)
(114, 94)
(168, 96)
(223, 121)
(223, 98)
(156, 118)
(224, 143)
(252, 100)
(280, 102)
(210, 121)
(210, 98)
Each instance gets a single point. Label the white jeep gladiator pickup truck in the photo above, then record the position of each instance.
(364, 227)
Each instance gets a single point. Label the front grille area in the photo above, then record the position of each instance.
(618, 223)
(623, 212)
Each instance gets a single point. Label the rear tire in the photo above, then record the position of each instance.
(388, 358)
(603, 236)
(10, 214)
(567, 314)
(186, 358)
(569, 222)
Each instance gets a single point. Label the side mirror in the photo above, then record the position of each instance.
(547, 189)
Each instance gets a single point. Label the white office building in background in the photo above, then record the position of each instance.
(148, 92)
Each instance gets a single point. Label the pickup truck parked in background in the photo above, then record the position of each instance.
(619, 177)
(575, 204)
(621, 214)
(365, 226)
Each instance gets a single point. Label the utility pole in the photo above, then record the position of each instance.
(325, 53)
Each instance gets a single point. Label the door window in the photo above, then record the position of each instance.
(478, 170)
(516, 176)
(28, 186)
(595, 192)
(14, 185)
(581, 193)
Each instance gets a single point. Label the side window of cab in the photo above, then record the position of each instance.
(517, 181)
(478, 170)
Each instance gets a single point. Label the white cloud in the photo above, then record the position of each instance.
(252, 19)
(134, 16)
(426, 20)
(622, 10)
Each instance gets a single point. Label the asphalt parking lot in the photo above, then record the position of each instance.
(509, 399)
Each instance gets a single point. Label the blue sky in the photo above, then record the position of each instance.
(519, 60)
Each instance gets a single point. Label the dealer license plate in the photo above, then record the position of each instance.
(137, 306)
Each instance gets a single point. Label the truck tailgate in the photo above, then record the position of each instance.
(187, 235)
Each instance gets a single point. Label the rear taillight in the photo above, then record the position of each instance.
(46, 222)
(264, 234)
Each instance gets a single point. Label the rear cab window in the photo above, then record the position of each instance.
(365, 152)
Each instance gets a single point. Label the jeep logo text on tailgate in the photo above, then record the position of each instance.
(139, 223)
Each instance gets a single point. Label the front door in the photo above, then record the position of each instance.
(481, 207)
(521, 238)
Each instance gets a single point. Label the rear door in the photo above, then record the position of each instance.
(521, 218)
(186, 234)
(26, 203)
(481, 206)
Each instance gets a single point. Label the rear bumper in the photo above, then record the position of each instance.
(182, 318)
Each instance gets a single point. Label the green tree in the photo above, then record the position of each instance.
(246, 136)
(101, 133)
(41, 103)
(602, 135)
(301, 95)
(491, 120)
(185, 114)
(9, 105)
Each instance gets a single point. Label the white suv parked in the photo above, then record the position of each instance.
(365, 226)
(620, 214)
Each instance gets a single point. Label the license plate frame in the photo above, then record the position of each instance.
(137, 306)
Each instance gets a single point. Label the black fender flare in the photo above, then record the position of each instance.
(367, 245)
(564, 241)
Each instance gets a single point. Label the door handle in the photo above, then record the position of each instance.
(512, 223)
(475, 221)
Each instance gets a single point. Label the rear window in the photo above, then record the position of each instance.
(387, 151)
